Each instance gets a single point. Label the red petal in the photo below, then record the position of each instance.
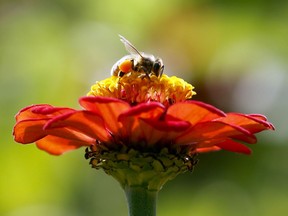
(29, 131)
(253, 123)
(130, 118)
(144, 110)
(233, 146)
(27, 112)
(164, 125)
(212, 130)
(108, 108)
(208, 149)
(194, 111)
(40, 111)
(259, 116)
(30, 122)
(56, 145)
(71, 134)
(228, 144)
(85, 122)
(154, 132)
(147, 122)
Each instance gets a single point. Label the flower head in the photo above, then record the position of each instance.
(140, 126)
(134, 89)
(139, 123)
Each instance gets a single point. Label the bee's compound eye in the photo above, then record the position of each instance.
(156, 67)
(126, 66)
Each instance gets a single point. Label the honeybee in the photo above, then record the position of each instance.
(137, 61)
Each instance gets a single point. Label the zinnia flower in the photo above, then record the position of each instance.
(143, 131)
(129, 117)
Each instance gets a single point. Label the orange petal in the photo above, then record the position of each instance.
(152, 136)
(85, 122)
(212, 130)
(194, 111)
(144, 110)
(130, 118)
(71, 134)
(108, 108)
(40, 111)
(30, 122)
(230, 145)
(254, 123)
(207, 149)
(57, 145)
(29, 131)
(160, 132)
(168, 126)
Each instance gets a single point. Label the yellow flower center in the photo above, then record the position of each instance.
(138, 88)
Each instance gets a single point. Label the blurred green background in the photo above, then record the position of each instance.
(234, 53)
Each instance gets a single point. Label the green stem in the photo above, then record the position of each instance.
(141, 201)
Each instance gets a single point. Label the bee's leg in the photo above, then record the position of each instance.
(145, 71)
(134, 68)
(142, 76)
(147, 75)
(161, 71)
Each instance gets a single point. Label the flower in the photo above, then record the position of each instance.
(133, 113)
(134, 121)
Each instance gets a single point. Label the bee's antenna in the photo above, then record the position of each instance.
(129, 47)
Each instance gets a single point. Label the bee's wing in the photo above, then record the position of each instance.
(129, 47)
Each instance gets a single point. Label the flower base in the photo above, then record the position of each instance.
(133, 168)
(141, 174)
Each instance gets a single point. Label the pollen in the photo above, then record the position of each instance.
(126, 66)
(137, 88)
